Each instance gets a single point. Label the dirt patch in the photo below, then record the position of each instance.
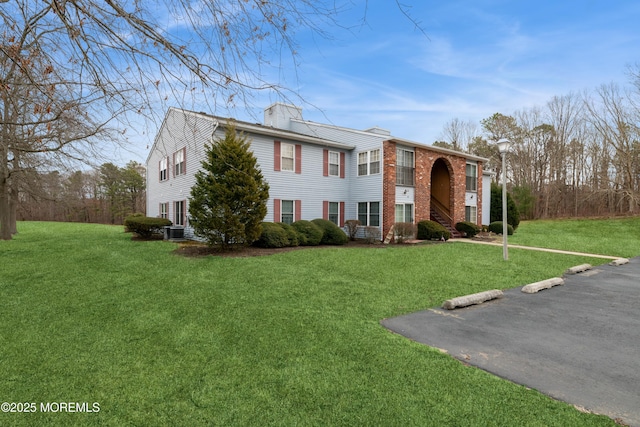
(197, 249)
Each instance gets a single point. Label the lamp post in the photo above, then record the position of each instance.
(503, 147)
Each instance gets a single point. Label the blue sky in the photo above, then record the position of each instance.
(475, 58)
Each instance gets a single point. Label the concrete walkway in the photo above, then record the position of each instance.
(532, 248)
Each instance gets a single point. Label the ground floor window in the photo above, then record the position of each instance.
(179, 213)
(164, 210)
(404, 212)
(471, 214)
(286, 211)
(334, 213)
(369, 213)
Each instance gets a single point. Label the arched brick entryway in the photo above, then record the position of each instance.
(441, 196)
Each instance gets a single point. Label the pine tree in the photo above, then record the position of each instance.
(229, 199)
(513, 215)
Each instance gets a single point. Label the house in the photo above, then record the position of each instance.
(317, 170)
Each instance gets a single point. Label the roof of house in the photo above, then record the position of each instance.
(260, 129)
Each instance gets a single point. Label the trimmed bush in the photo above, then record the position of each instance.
(431, 230)
(372, 234)
(404, 231)
(272, 236)
(145, 226)
(496, 227)
(331, 233)
(468, 229)
(292, 234)
(309, 234)
(352, 227)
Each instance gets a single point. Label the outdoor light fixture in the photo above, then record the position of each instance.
(503, 146)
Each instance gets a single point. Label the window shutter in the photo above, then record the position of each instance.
(276, 155)
(184, 159)
(298, 158)
(173, 169)
(276, 210)
(159, 170)
(325, 162)
(342, 166)
(297, 215)
(325, 210)
(341, 214)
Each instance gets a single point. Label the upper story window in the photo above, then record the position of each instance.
(164, 168)
(287, 157)
(369, 162)
(404, 167)
(287, 153)
(472, 177)
(179, 162)
(334, 163)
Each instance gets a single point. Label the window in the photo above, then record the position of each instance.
(334, 213)
(334, 163)
(404, 167)
(178, 213)
(286, 212)
(287, 157)
(472, 177)
(369, 162)
(164, 167)
(179, 162)
(374, 162)
(164, 210)
(369, 213)
(287, 153)
(404, 212)
(471, 213)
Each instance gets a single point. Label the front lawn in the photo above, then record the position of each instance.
(88, 315)
(614, 236)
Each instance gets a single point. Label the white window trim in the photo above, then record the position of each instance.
(475, 181)
(293, 210)
(164, 167)
(337, 163)
(368, 156)
(283, 149)
(180, 162)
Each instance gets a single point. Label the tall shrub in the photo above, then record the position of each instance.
(513, 216)
(229, 199)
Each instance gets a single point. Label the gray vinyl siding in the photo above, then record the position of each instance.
(361, 188)
(193, 131)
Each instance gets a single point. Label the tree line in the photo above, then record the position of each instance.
(106, 194)
(578, 155)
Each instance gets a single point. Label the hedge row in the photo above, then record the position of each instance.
(145, 226)
(302, 232)
(431, 230)
(468, 229)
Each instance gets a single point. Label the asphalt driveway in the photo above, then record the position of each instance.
(579, 343)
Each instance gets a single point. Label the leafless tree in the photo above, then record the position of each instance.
(72, 72)
(459, 133)
(618, 128)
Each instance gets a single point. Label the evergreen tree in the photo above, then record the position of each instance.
(513, 216)
(229, 199)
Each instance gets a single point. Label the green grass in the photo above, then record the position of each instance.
(615, 237)
(89, 315)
